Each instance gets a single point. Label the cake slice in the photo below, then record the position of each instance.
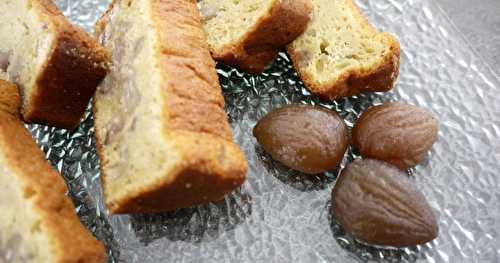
(340, 54)
(38, 223)
(249, 33)
(56, 65)
(162, 134)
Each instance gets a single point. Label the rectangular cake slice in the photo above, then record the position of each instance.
(249, 33)
(38, 223)
(56, 65)
(340, 54)
(162, 134)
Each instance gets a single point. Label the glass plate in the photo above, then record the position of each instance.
(281, 216)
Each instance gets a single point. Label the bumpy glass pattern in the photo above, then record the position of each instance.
(281, 216)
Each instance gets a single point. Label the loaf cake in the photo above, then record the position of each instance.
(340, 54)
(38, 223)
(162, 134)
(56, 65)
(249, 33)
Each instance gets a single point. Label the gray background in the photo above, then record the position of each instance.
(479, 21)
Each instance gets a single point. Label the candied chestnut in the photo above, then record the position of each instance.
(376, 203)
(310, 139)
(398, 133)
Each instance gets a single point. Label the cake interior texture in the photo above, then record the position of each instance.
(25, 43)
(227, 21)
(129, 103)
(21, 239)
(338, 40)
(159, 116)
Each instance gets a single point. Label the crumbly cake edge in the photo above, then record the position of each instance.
(380, 78)
(284, 22)
(76, 64)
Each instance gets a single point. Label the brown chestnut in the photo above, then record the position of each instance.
(310, 139)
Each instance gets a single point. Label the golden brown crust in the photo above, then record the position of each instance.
(69, 239)
(380, 78)
(193, 98)
(10, 100)
(76, 65)
(206, 174)
(210, 165)
(286, 20)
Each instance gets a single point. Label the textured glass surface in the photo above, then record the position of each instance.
(282, 216)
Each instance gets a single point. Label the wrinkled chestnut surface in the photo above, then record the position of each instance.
(376, 203)
(306, 138)
(397, 133)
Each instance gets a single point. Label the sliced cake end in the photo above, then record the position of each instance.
(248, 34)
(56, 64)
(340, 54)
